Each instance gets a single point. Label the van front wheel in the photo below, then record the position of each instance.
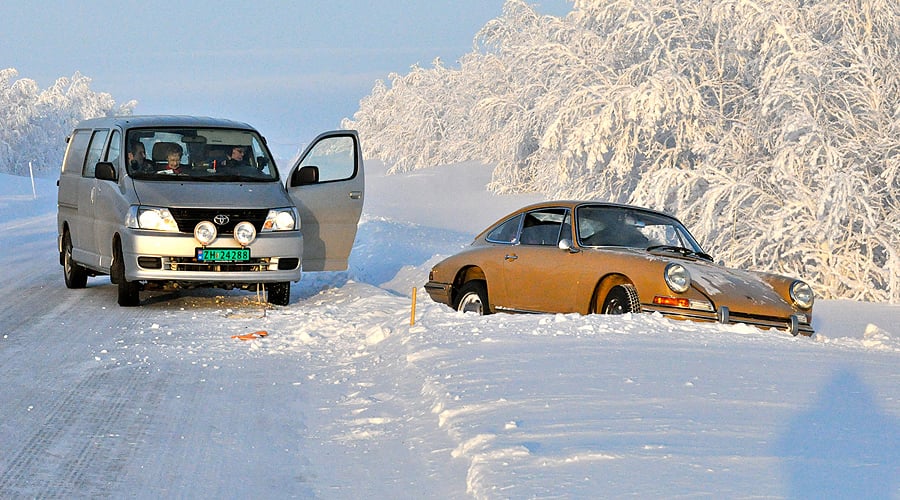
(129, 291)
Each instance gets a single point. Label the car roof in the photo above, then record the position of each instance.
(137, 121)
(576, 203)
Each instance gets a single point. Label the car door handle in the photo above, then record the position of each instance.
(511, 257)
(355, 195)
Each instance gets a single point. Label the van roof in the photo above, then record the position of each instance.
(134, 121)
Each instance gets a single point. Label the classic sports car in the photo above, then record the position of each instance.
(591, 257)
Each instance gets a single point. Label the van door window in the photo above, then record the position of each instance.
(335, 157)
(94, 151)
(115, 149)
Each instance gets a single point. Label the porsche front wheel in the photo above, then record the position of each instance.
(473, 298)
(622, 299)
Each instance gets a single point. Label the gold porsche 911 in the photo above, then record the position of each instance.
(591, 257)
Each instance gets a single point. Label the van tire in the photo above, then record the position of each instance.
(128, 291)
(278, 294)
(75, 275)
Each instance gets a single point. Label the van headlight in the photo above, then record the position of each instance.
(677, 277)
(281, 219)
(802, 294)
(244, 233)
(205, 232)
(153, 218)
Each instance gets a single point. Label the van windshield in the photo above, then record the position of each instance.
(202, 154)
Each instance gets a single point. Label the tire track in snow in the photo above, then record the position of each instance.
(74, 437)
(86, 438)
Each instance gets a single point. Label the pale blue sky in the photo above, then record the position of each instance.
(291, 68)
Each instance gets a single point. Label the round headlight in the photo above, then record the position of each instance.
(205, 232)
(802, 295)
(244, 233)
(678, 278)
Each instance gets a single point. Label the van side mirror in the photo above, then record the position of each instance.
(105, 171)
(305, 176)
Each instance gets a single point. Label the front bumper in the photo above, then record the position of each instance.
(796, 324)
(154, 256)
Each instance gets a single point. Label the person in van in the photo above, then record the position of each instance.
(137, 158)
(236, 158)
(173, 161)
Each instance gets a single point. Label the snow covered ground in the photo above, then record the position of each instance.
(346, 399)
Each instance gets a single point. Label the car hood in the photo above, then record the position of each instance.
(211, 195)
(740, 290)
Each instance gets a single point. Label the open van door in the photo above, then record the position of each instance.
(327, 184)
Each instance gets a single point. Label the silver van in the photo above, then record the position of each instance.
(168, 202)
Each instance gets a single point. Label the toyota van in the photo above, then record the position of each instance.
(169, 202)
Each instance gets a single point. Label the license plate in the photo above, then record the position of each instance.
(223, 254)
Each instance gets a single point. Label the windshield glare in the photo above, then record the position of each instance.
(224, 155)
(627, 227)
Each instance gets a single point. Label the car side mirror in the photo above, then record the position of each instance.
(105, 171)
(566, 244)
(305, 176)
(262, 162)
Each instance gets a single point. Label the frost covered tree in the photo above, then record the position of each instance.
(34, 123)
(769, 126)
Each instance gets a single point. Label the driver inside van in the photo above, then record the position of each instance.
(236, 158)
(137, 158)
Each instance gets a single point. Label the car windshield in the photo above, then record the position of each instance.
(602, 225)
(201, 154)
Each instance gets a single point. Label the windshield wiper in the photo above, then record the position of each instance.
(687, 252)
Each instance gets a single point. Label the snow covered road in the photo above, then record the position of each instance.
(345, 399)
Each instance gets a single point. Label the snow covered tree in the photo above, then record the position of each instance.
(34, 123)
(769, 126)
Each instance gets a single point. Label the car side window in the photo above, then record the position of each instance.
(506, 232)
(95, 149)
(543, 227)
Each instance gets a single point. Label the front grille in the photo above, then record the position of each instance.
(759, 320)
(187, 218)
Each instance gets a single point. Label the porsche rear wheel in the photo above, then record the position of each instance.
(622, 299)
(473, 298)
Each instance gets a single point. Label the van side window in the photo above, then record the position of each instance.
(94, 151)
(115, 149)
(75, 153)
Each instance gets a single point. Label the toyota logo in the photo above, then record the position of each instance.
(221, 219)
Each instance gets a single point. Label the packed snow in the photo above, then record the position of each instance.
(345, 398)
